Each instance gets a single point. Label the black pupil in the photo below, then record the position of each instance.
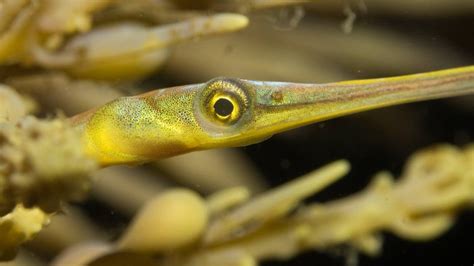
(223, 107)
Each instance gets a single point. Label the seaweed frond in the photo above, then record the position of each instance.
(437, 183)
(19, 226)
(39, 156)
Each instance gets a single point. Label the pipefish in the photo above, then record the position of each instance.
(232, 112)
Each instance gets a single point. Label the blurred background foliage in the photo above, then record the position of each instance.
(320, 41)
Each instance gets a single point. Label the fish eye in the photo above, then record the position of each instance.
(225, 101)
(223, 107)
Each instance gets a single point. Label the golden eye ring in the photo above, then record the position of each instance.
(224, 102)
(225, 107)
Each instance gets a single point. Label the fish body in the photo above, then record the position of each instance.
(231, 112)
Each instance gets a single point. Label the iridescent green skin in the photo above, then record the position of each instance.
(177, 120)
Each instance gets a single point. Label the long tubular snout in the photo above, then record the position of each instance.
(282, 106)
